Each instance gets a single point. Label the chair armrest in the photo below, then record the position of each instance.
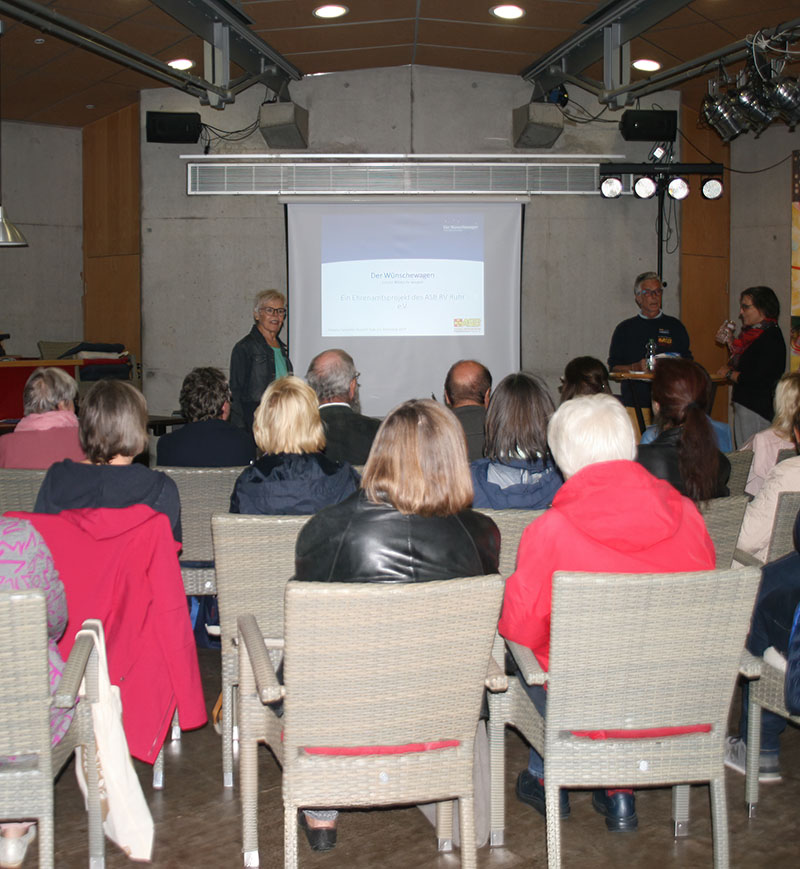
(746, 559)
(268, 688)
(496, 680)
(532, 673)
(67, 692)
(750, 665)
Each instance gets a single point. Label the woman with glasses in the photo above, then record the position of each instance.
(259, 358)
(757, 361)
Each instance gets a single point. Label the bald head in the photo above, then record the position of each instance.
(467, 382)
(332, 375)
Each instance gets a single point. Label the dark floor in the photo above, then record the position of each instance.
(198, 823)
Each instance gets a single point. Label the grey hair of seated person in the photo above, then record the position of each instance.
(330, 374)
(590, 429)
(46, 389)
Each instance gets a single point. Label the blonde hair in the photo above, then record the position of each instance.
(113, 421)
(262, 297)
(787, 401)
(287, 419)
(418, 461)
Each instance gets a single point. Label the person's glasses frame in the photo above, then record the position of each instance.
(281, 312)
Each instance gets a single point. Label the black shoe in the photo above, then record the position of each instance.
(531, 791)
(320, 838)
(618, 809)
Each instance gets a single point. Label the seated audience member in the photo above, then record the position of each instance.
(26, 563)
(293, 476)
(518, 470)
(49, 430)
(113, 431)
(773, 615)
(610, 516)
(685, 452)
(768, 443)
(584, 375)
(208, 440)
(759, 516)
(722, 431)
(467, 388)
(348, 433)
(410, 522)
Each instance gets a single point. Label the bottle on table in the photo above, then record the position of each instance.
(650, 354)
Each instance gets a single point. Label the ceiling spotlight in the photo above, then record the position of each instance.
(785, 96)
(645, 187)
(331, 10)
(507, 11)
(678, 188)
(758, 111)
(646, 65)
(611, 187)
(721, 113)
(711, 188)
(181, 63)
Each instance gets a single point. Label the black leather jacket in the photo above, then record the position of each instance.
(252, 371)
(358, 541)
(661, 458)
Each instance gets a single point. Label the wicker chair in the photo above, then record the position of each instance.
(203, 492)
(254, 560)
(19, 488)
(766, 692)
(740, 460)
(511, 524)
(723, 517)
(369, 664)
(790, 453)
(26, 786)
(684, 635)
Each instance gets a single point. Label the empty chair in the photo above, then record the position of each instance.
(254, 561)
(382, 686)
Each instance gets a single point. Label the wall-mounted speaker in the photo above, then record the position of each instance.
(648, 125)
(177, 128)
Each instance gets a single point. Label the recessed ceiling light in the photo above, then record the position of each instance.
(89, 105)
(39, 40)
(507, 11)
(646, 65)
(181, 63)
(331, 10)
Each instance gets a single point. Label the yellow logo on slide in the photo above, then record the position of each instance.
(466, 322)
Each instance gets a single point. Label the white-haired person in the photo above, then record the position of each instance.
(610, 516)
(259, 358)
(293, 475)
(48, 432)
(767, 443)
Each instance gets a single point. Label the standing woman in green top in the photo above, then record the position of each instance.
(259, 358)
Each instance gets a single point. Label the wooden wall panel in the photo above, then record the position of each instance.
(111, 230)
(705, 254)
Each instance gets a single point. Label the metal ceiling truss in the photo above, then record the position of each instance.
(223, 28)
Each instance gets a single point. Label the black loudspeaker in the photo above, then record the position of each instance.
(177, 128)
(648, 126)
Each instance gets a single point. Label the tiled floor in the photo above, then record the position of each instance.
(197, 821)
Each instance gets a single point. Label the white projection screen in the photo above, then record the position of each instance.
(407, 288)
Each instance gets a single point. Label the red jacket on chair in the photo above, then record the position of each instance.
(121, 566)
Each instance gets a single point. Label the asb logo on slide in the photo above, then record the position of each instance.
(468, 324)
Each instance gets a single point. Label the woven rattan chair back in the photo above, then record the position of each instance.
(26, 784)
(679, 638)
(511, 524)
(374, 664)
(781, 542)
(740, 460)
(19, 488)
(254, 558)
(723, 517)
(786, 454)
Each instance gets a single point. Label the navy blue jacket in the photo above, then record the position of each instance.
(535, 484)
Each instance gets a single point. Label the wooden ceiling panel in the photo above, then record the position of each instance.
(327, 39)
(146, 37)
(338, 61)
(530, 42)
(722, 10)
(684, 17)
(689, 42)
(507, 62)
(741, 25)
(538, 13)
(21, 55)
(272, 14)
(106, 99)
